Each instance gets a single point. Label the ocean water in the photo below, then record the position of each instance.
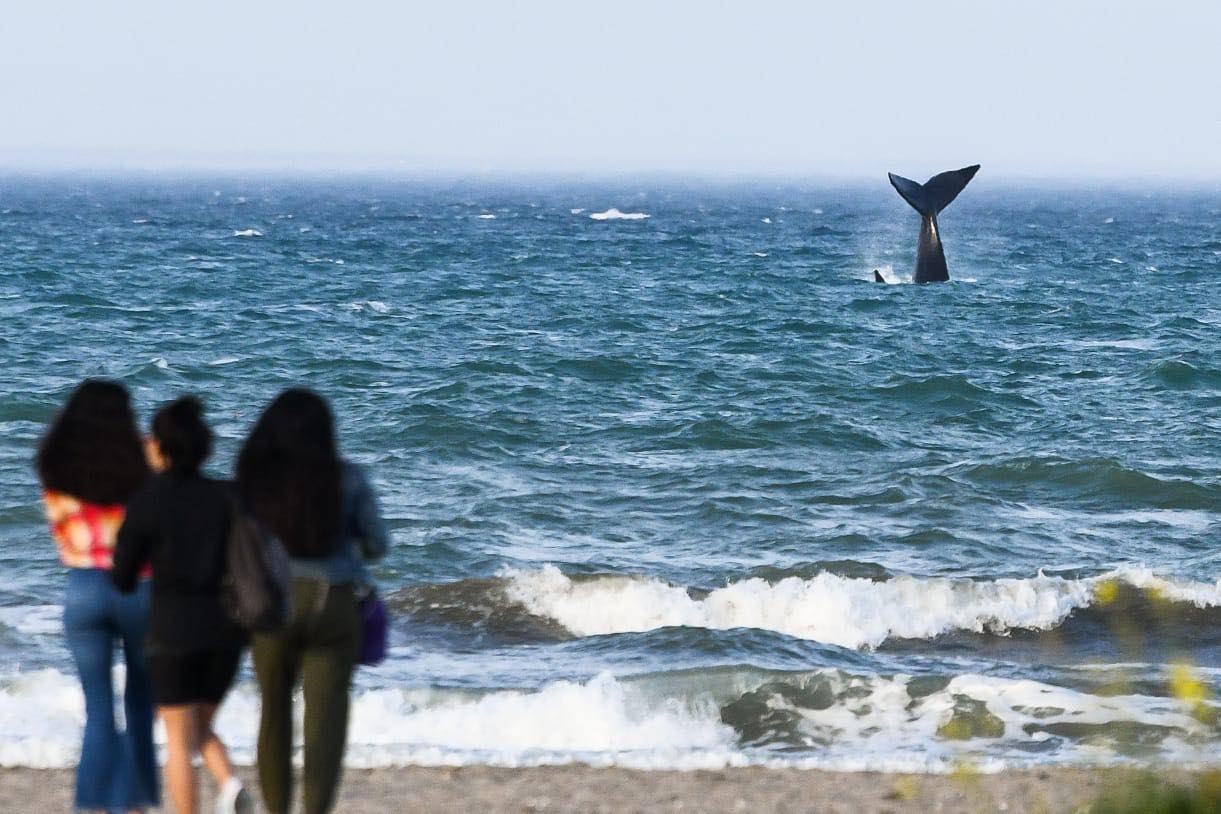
(672, 482)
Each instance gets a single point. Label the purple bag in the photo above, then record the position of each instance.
(373, 619)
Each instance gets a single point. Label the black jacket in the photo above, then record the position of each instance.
(179, 523)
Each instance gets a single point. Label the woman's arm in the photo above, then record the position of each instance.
(370, 528)
(131, 548)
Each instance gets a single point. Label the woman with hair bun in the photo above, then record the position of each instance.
(90, 464)
(179, 523)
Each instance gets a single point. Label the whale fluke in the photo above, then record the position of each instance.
(929, 199)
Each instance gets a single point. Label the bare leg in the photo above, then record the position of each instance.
(181, 742)
(213, 752)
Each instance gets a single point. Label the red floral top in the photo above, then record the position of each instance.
(84, 532)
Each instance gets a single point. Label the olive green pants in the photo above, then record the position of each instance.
(319, 647)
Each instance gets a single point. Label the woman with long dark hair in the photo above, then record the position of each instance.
(180, 523)
(291, 478)
(90, 463)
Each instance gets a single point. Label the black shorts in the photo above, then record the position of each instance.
(198, 677)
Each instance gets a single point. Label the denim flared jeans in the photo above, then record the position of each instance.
(118, 768)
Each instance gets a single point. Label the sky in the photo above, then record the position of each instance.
(1034, 89)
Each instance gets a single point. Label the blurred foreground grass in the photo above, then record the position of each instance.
(1145, 792)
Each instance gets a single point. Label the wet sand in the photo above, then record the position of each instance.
(583, 789)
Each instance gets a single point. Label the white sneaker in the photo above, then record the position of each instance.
(234, 799)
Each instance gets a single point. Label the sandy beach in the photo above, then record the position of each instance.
(584, 789)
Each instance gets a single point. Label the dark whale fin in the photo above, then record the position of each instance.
(877, 277)
(928, 199)
(937, 192)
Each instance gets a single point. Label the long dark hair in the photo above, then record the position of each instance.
(288, 473)
(184, 438)
(92, 449)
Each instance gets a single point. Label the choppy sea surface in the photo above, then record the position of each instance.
(672, 482)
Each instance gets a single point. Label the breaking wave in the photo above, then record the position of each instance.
(830, 608)
(827, 607)
(824, 718)
(615, 214)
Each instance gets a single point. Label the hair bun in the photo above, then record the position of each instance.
(182, 434)
(187, 407)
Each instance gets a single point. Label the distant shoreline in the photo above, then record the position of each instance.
(585, 789)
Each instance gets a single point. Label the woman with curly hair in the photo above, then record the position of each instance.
(90, 463)
(291, 478)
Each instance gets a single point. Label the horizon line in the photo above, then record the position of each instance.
(474, 172)
(305, 164)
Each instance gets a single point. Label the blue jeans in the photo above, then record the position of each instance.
(117, 770)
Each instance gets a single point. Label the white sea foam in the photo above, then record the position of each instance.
(41, 717)
(658, 722)
(576, 211)
(615, 214)
(247, 233)
(1200, 594)
(888, 275)
(825, 608)
(33, 620)
(1127, 344)
(767, 220)
(876, 724)
(376, 306)
(601, 721)
(487, 216)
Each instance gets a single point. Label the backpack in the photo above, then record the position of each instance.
(256, 585)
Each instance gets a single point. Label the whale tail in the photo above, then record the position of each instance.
(936, 193)
(928, 199)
